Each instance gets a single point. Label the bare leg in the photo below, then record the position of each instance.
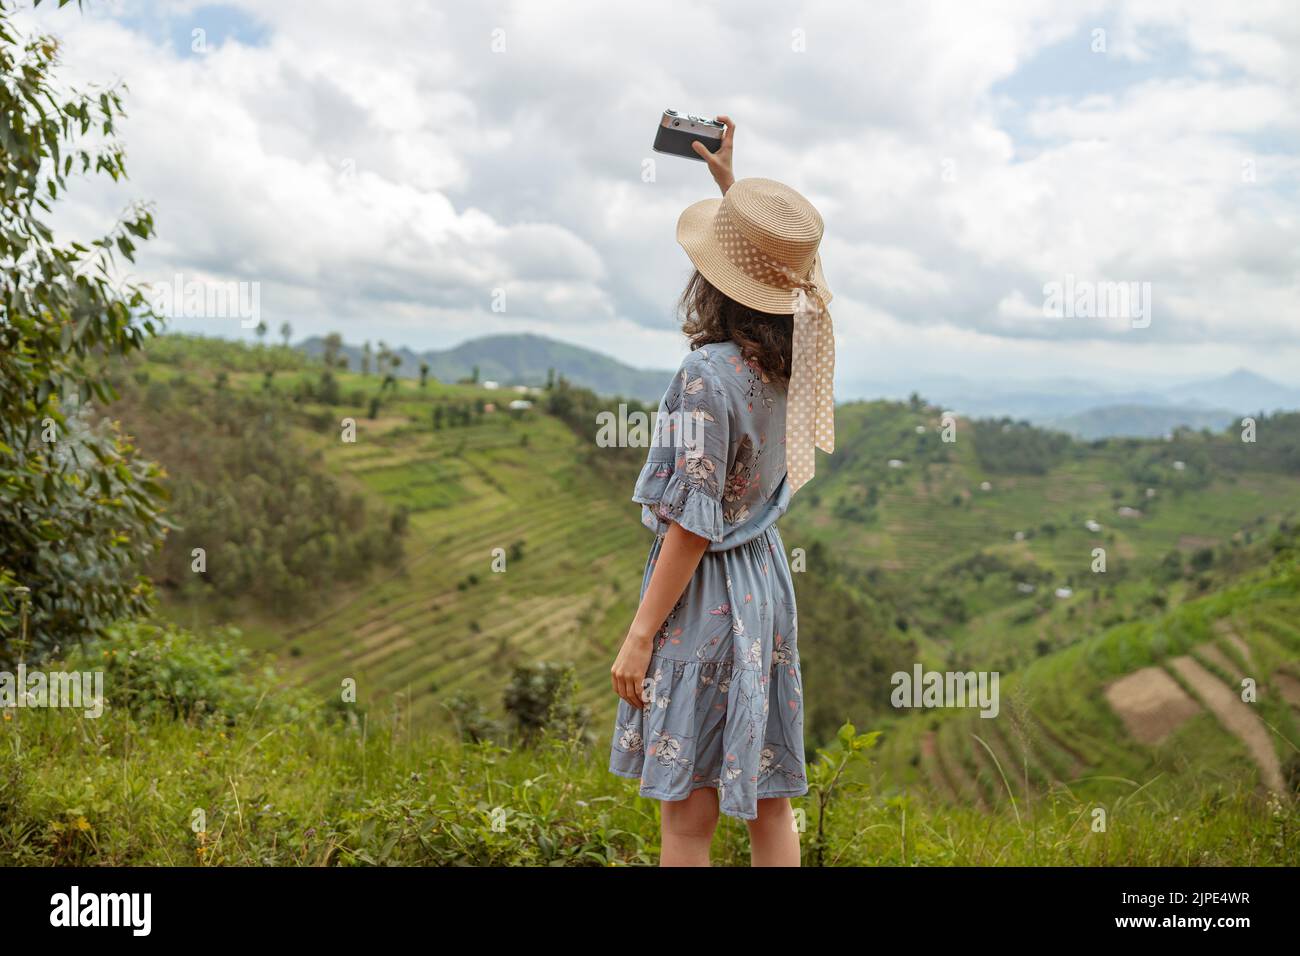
(773, 840)
(688, 828)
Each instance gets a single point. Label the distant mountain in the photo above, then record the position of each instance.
(521, 360)
(1242, 391)
(1093, 411)
(1138, 421)
(1036, 404)
(1079, 407)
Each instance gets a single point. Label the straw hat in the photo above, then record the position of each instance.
(758, 245)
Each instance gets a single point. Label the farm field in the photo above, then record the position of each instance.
(521, 545)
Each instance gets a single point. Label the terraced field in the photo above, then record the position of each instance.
(932, 515)
(916, 525)
(447, 621)
(1130, 678)
(1061, 727)
(518, 547)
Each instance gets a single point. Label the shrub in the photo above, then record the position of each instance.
(540, 699)
(154, 671)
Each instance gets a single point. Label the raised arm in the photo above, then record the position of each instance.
(720, 162)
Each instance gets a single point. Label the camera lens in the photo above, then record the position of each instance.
(677, 122)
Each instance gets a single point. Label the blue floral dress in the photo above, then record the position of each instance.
(725, 699)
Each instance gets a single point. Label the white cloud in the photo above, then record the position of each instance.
(382, 171)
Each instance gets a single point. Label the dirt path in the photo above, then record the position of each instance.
(1220, 660)
(1224, 628)
(934, 769)
(1151, 704)
(1288, 687)
(1077, 764)
(986, 776)
(1237, 718)
(960, 779)
(1011, 764)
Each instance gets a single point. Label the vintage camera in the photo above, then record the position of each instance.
(678, 130)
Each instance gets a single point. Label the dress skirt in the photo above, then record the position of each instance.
(725, 698)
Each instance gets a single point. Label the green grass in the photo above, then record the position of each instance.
(253, 774)
(934, 552)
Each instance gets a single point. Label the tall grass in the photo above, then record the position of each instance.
(198, 762)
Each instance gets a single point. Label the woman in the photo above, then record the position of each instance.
(711, 711)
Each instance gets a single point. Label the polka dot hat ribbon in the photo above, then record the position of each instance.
(810, 399)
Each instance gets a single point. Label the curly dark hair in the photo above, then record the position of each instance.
(709, 315)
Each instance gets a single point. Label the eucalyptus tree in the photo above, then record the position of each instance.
(78, 507)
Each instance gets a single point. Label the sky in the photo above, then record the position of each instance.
(427, 173)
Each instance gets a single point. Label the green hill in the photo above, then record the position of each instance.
(1152, 703)
(507, 537)
(519, 541)
(1139, 421)
(517, 360)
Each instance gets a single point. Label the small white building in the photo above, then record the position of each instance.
(1092, 526)
(519, 404)
(1064, 593)
(986, 486)
(895, 463)
(488, 383)
(1124, 511)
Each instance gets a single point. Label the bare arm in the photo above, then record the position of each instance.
(678, 557)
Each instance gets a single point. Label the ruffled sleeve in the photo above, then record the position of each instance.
(685, 470)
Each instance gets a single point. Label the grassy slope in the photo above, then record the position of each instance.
(447, 622)
(1056, 726)
(917, 525)
(478, 488)
(264, 778)
(1058, 654)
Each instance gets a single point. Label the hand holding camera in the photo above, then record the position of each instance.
(694, 137)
